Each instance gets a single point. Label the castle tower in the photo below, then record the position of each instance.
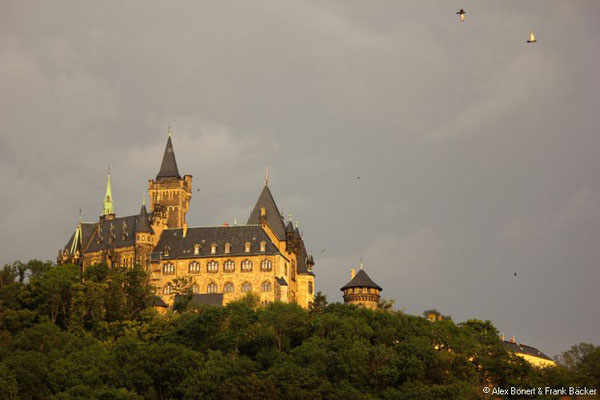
(170, 194)
(109, 209)
(361, 290)
(144, 238)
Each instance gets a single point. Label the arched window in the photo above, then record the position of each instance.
(213, 248)
(228, 266)
(168, 269)
(227, 248)
(266, 265)
(228, 288)
(310, 288)
(195, 289)
(263, 246)
(246, 287)
(212, 288)
(167, 251)
(246, 266)
(194, 267)
(168, 289)
(212, 266)
(266, 286)
(196, 249)
(247, 247)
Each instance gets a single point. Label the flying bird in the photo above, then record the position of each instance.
(322, 250)
(461, 13)
(515, 274)
(532, 38)
(358, 177)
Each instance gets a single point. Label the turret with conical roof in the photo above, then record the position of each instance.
(361, 290)
(143, 222)
(266, 212)
(170, 194)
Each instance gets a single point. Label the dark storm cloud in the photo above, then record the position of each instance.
(477, 152)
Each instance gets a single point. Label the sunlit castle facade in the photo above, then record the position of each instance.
(265, 256)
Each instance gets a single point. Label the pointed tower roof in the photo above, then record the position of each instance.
(290, 227)
(108, 201)
(361, 279)
(274, 219)
(143, 222)
(168, 168)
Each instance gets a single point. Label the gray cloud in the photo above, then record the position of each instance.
(477, 153)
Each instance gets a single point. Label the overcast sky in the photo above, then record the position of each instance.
(477, 153)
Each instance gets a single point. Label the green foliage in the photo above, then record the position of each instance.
(63, 337)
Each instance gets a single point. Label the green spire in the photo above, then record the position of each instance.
(108, 201)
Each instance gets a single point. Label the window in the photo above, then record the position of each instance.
(285, 271)
(227, 248)
(228, 288)
(266, 266)
(196, 249)
(212, 288)
(266, 286)
(310, 288)
(293, 270)
(194, 267)
(213, 248)
(167, 251)
(228, 266)
(247, 247)
(246, 266)
(195, 289)
(168, 269)
(212, 266)
(168, 289)
(246, 287)
(263, 246)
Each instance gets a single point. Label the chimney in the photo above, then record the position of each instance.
(502, 337)
(225, 224)
(352, 273)
(185, 226)
(512, 339)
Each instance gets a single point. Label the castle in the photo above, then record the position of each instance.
(265, 256)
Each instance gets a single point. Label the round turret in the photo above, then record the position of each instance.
(361, 290)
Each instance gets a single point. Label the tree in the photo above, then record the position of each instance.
(319, 303)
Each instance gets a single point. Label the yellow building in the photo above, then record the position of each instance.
(361, 290)
(265, 256)
(530, 354)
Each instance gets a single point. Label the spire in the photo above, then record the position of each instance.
(266, 175)
(168, 168)
(362, 265)
(108, 201)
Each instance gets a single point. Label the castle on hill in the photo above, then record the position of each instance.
(265, 256)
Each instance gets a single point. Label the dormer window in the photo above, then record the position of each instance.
(167, 251)
(263, 246)
(213, 248)
(247, 247)
(196, 249)
(227, 248)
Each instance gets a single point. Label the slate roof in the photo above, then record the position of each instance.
(274, 218)
(143, 222)
(524, 349)
(119, 240)
(302, 266)
(211, 299)
(87, 230)
(237, 236)
(158, 302)
(361, 279)
(168, 168)
(281, 281)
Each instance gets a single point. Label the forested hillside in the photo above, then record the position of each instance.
(64, 337)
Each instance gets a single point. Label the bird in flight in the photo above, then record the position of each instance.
(322, 250)
(358, 177)
(461, 13)
(515, 274)
(532, 38)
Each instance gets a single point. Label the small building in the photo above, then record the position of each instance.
(529, 353)
(361, 290)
